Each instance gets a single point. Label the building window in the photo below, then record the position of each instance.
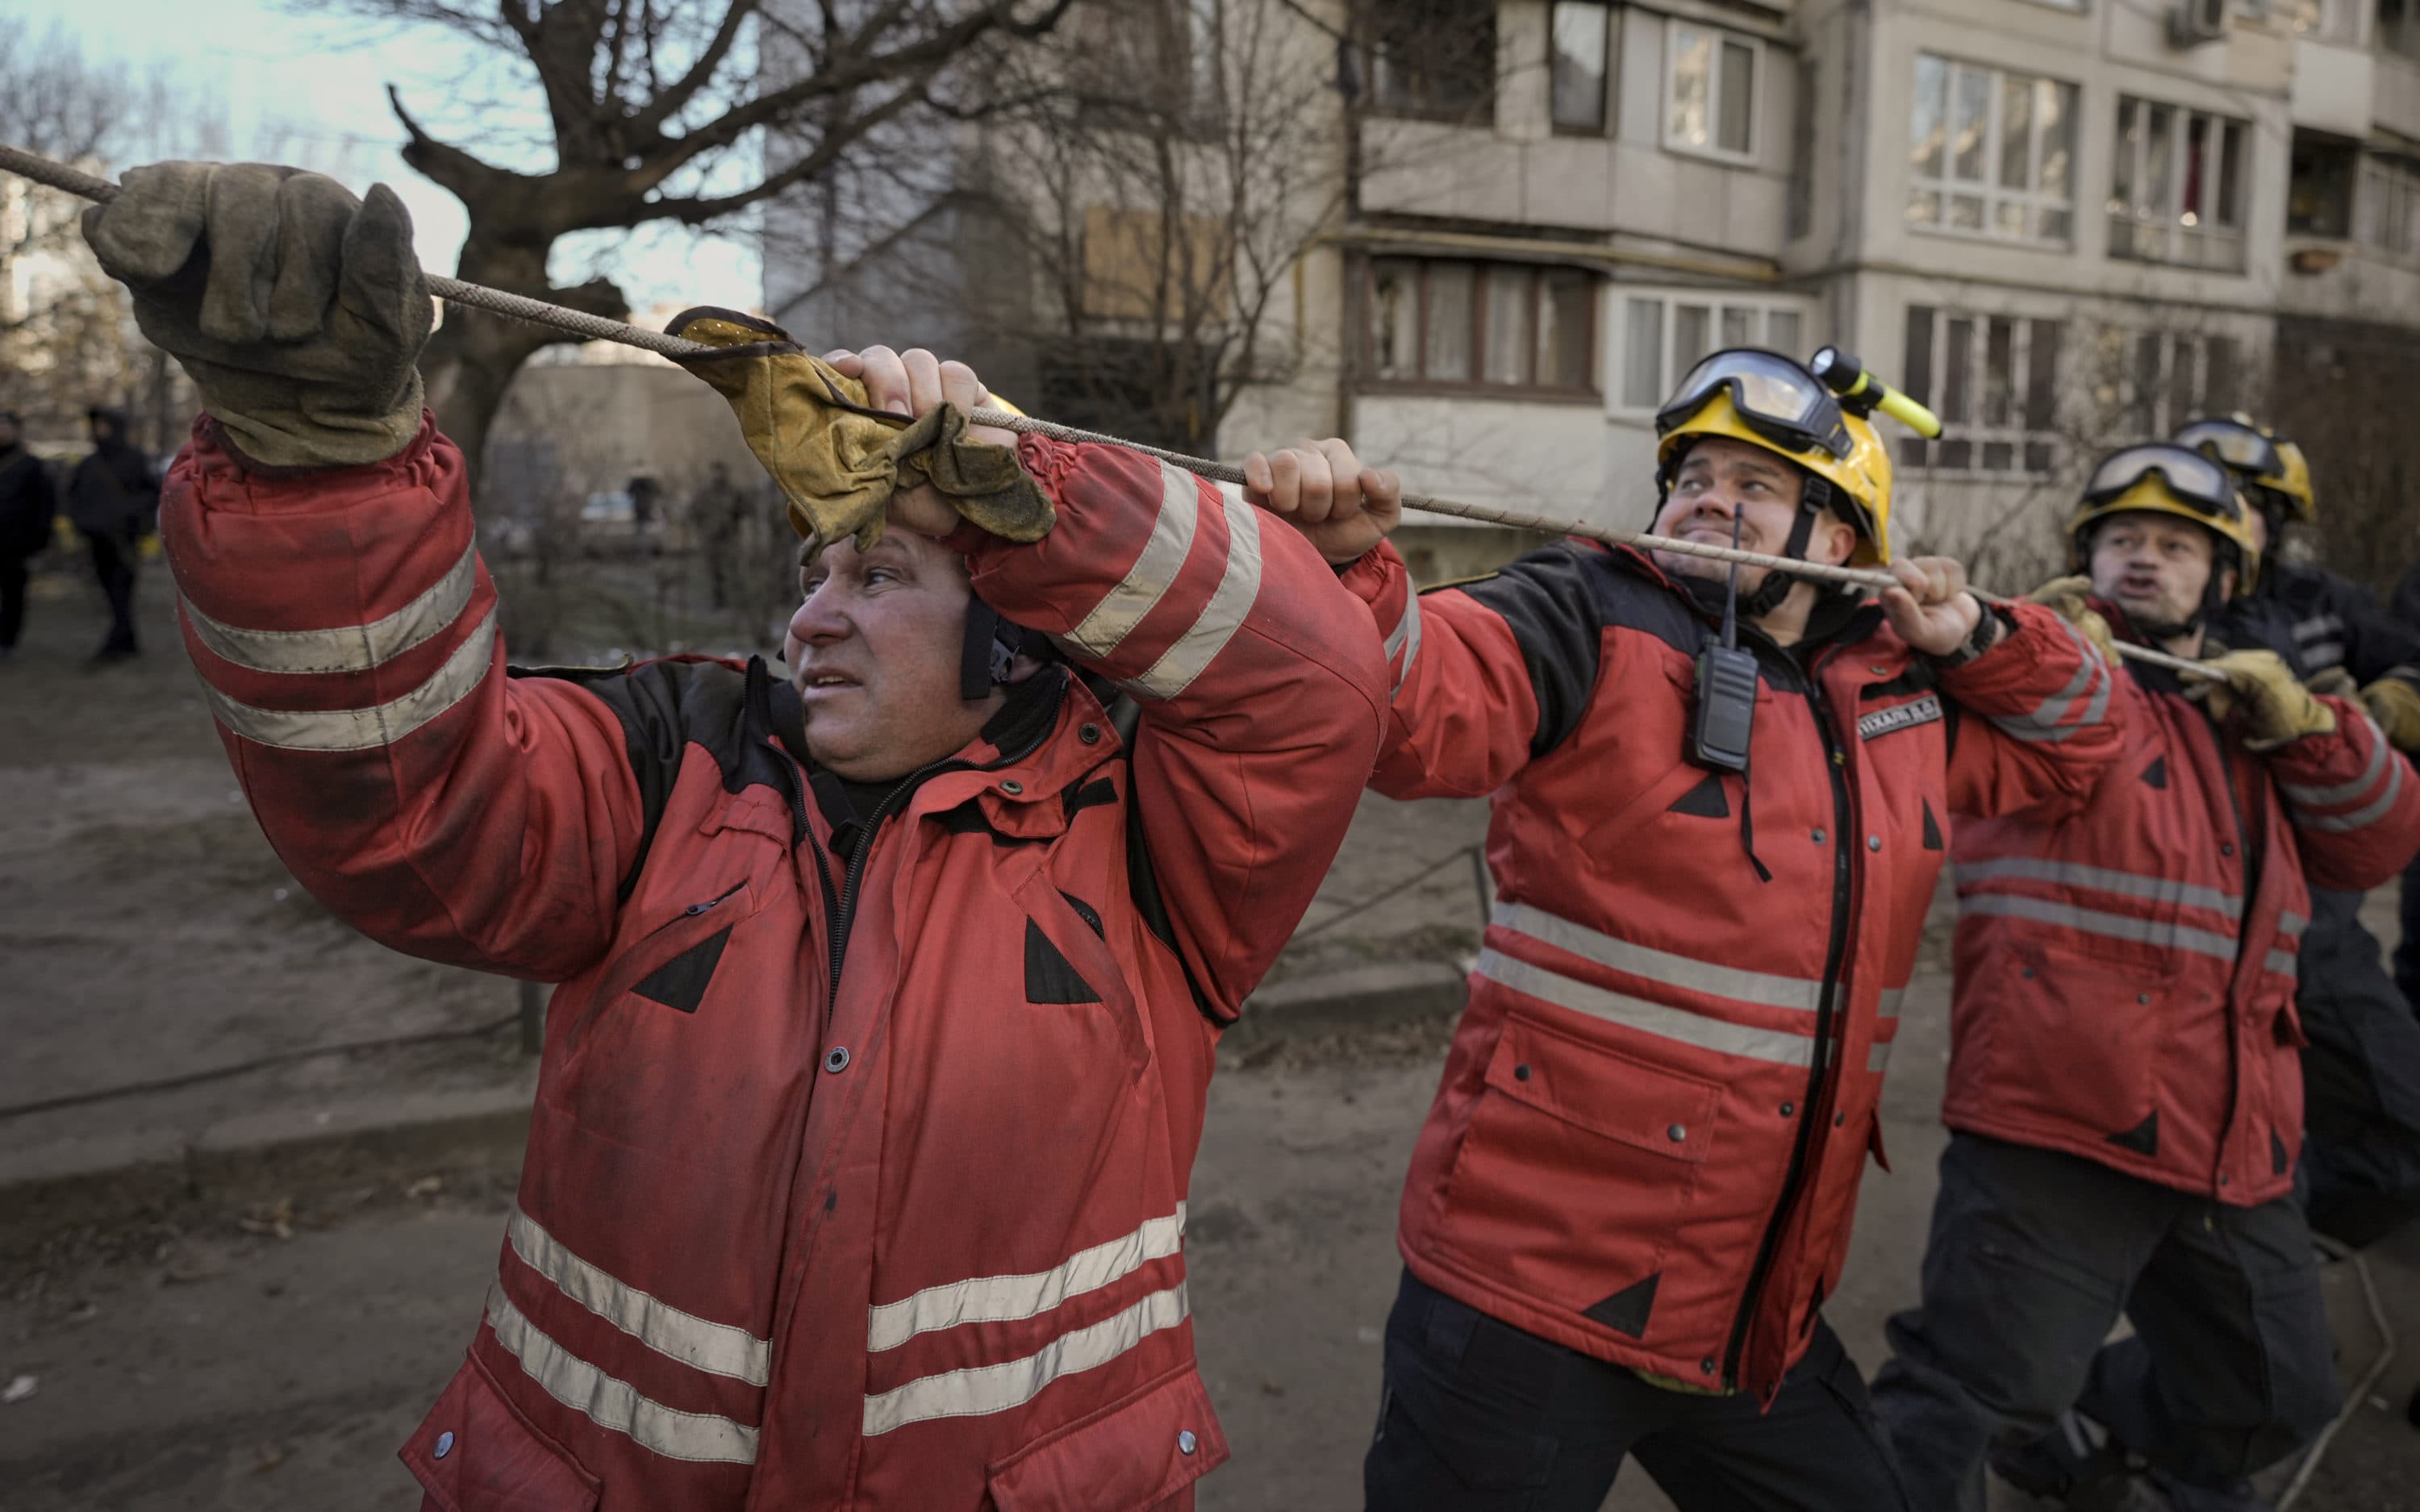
(2334, 22)
(1482, 325)
(2386, 213)
(2398, 27)
(2319, 192)
(1990, 154)
(1433, 58)
(2150, 383)
(1993, 382)
(1581, 39)
(2176, 189)
(1710, 91)
(1798, 215)
(1663, 336)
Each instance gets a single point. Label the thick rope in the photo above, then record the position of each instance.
(596, 328)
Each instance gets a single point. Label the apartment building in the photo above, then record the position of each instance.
(2061, 224)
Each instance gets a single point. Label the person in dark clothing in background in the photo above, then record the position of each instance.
(2407, 954)
(27, 505)
(113, 498)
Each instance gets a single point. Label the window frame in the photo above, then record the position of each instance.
(1719, 36)
(2166, 409)
(1716, 303)
(1916, 455)
(1478, 385)
(1480, 110)
(1608, 69)
(2382, 185)
(2170, 224)
(2031, 198)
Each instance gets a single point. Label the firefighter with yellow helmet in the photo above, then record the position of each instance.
(1720, 805)
(2124, 1099)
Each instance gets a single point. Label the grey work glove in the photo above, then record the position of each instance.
(299, 310)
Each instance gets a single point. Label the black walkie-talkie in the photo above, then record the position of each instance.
(1726, 677)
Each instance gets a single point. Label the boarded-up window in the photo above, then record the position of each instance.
(1133, 270)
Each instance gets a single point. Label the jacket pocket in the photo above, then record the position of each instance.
(2075, 1041)
(1577, 1166)
(476, 1453)
(1123, 1458)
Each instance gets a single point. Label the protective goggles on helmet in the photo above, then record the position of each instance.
(2190, 476)
(2236, 444)
(1774, 396)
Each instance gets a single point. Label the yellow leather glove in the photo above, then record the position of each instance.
(2396, 705)
(2069, 599)
(837, 461)
(2262, 696)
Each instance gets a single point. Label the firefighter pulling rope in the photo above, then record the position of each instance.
(538, 312)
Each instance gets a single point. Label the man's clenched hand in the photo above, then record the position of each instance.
(1931, 609)
(299, 310)
(1344, 508)
(914, 383)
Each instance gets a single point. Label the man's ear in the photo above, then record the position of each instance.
(1836, 539)
(1024, 665)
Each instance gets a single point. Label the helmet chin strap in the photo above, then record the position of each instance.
(1778, 583)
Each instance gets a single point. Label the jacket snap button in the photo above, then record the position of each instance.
(836, 1058)
(2227, 847)
(1521, 1072)
(1873, 843)
(1818, 837)
(2221, 1181)
(1089, 735)
(1789, 1108)
(1184, 1441)
(1839, 1119)
(1011, 786)
(1707, 1365)
(1676, 1133)
(444, 1445)
(2143, 998)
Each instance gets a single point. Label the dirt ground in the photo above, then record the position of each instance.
(269, 1354)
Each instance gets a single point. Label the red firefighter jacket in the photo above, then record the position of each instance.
(2125, 973)
(857, 1173)
(1652, 1121)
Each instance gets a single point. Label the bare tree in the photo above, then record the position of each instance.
(658, 111)
(2343, 394)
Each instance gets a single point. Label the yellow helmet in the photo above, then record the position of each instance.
(2276, 469)
(2164, 478)
(1771, 402)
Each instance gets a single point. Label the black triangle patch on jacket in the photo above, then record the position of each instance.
(680, 982)
(2157, 773)
(1625, 1311)
(1705, 800)
(1049, 975)
(2144, 1138)
(1932, 829)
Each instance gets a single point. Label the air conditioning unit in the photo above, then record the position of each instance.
(2196, 22)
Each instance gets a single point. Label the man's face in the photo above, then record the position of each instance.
(102, 428)
(2154, 566)
(874, 652)
(1721, 478)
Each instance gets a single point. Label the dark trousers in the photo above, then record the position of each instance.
(2361, 1080)
(2407, 953)
(2034, 1255)
(113, 563)
(1480, 1416)
(12, 598)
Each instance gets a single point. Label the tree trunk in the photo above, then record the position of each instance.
(471, 361)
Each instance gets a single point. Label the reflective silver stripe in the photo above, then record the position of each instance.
(2368, 813)
(2284, 962)
(1656, 966)
(1239, 587)
(717, 1349)
(2311, 629)
(2042, 725)
(2154, 932)
(1665, 1023)
(2101, 879)
(381, 724)
(1878, 1056)
(1003, 1298)
(2321, 654)
(1406, 637)
(2380, 754)
(2291, 925)
(1146, 582)
(351, 648)
(1888, 1006)
(980, 1390)
(612, 1404)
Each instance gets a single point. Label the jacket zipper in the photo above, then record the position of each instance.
(1836, 767)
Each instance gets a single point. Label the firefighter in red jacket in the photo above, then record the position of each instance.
(1634, 1191)
(2125, 1100)
(857, 1173)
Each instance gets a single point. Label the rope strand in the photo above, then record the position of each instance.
(596, 327)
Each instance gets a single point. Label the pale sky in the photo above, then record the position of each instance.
(326, 79)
